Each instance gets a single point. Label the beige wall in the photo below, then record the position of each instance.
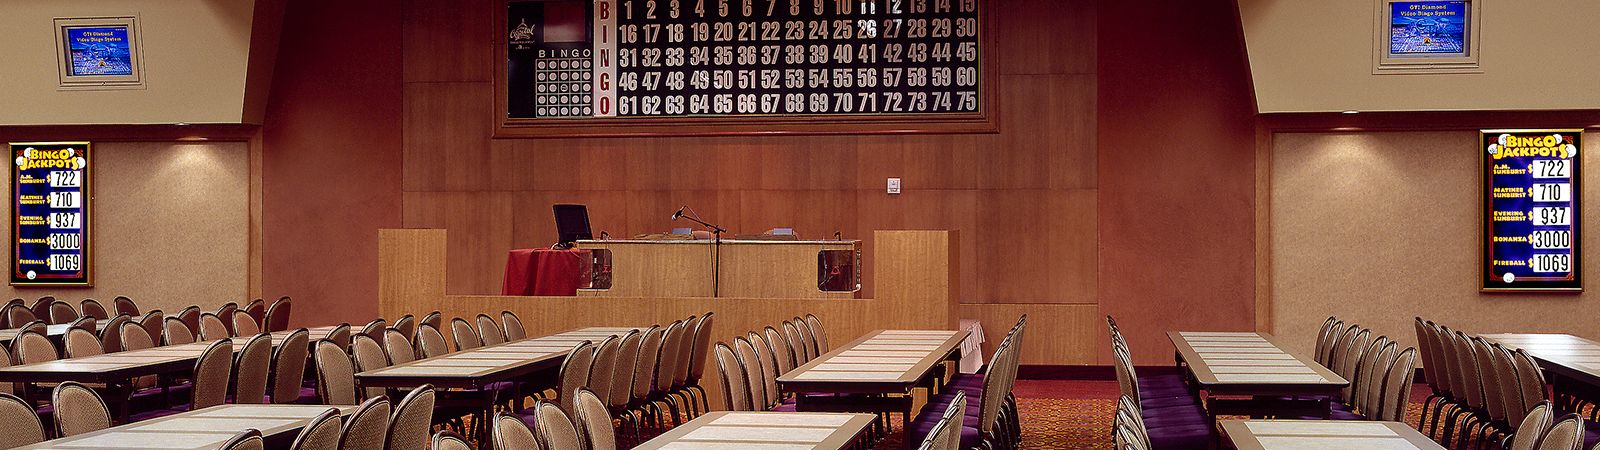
(195, 58)
(1316, 55)
(170, 224)
(1381, 227)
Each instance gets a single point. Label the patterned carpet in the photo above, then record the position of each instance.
(1059, 415)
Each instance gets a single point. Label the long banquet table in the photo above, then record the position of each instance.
(479, 368)
(1324, 434)
(201, 429)
(1571, 363)
(723, 430)
(874, 373)
(54, 331)
(115, 370)
(1230, 365)
(482, 366)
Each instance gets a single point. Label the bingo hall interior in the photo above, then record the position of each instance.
(799, 224)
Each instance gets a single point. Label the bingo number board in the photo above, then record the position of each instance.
(573, 59)
(1531, 210)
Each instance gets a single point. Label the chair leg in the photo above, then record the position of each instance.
(1464, 433)
(703, 405)
(682, 401)
(638, 425)
(673, 410)
(1439, 413)
(1016, 418)
(1473, 422)
(1483, 429)
(1450, 426)
(648, 411)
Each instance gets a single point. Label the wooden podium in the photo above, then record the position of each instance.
(743, 268)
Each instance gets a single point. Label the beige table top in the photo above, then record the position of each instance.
(887, 357)
(723, 430)
(125, 364)
(1324, 434)
(1244, 361)
(470, 367)
(8, 334)
(1572, 355)
(202, 429)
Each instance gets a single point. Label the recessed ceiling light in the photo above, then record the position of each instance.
(182, 124)
(1351, 111)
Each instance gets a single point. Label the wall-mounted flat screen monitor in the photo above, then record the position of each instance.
(99, 50)
(1429, 28)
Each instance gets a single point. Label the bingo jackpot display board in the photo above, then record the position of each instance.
(628, 62)
(50, 190)
(1530, 210)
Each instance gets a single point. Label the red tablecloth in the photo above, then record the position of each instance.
(545, 271)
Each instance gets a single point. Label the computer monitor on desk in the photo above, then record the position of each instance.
(572, 224)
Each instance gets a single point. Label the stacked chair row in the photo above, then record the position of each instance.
(648, 377)
(646, 380)
(1380, 373)
(53, 311)
(1541, 430)
(1482, 392)
(994, 412)
(548, 427)
(1160, 411)
(946, 432)
(750, 367)
(56, 312)
(375, 425)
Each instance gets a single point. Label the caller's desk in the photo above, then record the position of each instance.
(748, 268)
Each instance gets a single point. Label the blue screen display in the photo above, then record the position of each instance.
(1428, 28)
(99, 50)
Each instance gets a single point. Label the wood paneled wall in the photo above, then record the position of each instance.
(1092, 199)
(331, 158)
(1041, 235)
(1177, 173)
(1032, 184)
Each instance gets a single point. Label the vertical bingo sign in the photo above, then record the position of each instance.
(1531, 188)
(50, 214)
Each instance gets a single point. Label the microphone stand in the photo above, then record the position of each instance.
(716, 253)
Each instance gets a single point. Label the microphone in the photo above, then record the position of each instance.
(678, 214)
